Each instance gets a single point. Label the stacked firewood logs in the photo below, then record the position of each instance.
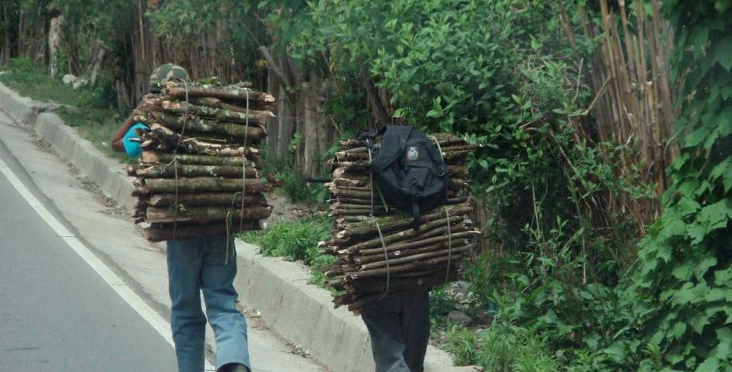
(379, 253)
(197, 173)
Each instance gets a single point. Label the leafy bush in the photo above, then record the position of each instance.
(678, 301)
(32, 80)
(293, 240)
(440, 305)
(501, 348)
(297, 241)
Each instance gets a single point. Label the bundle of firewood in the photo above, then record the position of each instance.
(379, 251)
(198, 173)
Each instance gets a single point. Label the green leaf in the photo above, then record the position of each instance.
(687, 206)
(686, 294)
(709, 365)
(675, 228)
(696, 137)
(723, 277)
(727, 182)
(716, 216)
(700, 39)
(696, 231)
(702, 267)
(725, 122)
(699, 322)
(683, 272)
(723, 53)
(724, 167)
(678, 330)
(689, 187)
(716, 294)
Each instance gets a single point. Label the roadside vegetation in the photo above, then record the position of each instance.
(604, 175)
(90, 110)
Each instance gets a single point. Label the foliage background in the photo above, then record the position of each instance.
(568, 179)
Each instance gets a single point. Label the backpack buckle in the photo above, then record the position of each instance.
(440, 171)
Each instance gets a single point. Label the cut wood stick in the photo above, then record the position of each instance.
(151, 157)
(253, 116)
(397, 221)
(177, 89)
(455, 252)
(397, 284)
(365, 299)
(427, 263)
(240, 107)
(201, 199)
(206, 214)
(182, 170)
(438, 244)
(196, 185)
(404, 235)
(253, 132)
(163, 139)
(470, 234)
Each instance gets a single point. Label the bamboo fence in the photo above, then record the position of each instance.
(633, 96)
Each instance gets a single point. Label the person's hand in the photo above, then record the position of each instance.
(131, 140)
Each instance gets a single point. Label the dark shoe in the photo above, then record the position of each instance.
(234, 367)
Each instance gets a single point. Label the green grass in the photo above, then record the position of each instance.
(92, 115)
(97, 126)
(296, 241)
(500, 348)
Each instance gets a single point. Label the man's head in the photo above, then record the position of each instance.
(165, 72)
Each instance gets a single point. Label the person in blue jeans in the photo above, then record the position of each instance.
(206, 264)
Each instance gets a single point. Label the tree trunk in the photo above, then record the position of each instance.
(286, 123)
(310, 127)
(55, 35)
(98, 58)
(273, 127)
(6, 53)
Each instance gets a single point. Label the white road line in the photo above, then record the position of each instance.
(118, 285)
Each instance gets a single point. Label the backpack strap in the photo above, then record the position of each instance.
(415, 214)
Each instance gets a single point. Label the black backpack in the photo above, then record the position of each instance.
(408, 169)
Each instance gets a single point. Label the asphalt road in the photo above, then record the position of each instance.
(56, 313)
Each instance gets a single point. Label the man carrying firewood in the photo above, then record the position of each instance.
(206, 264)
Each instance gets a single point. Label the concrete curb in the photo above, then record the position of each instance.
(21, 109)
(300, 313)
(104, 172)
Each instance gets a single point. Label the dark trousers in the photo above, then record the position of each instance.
(399, 327)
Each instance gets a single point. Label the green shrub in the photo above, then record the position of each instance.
(501, 348)
(679, 307)
(440, 305)
(293, 240)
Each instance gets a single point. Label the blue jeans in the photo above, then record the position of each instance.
(205, 264)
